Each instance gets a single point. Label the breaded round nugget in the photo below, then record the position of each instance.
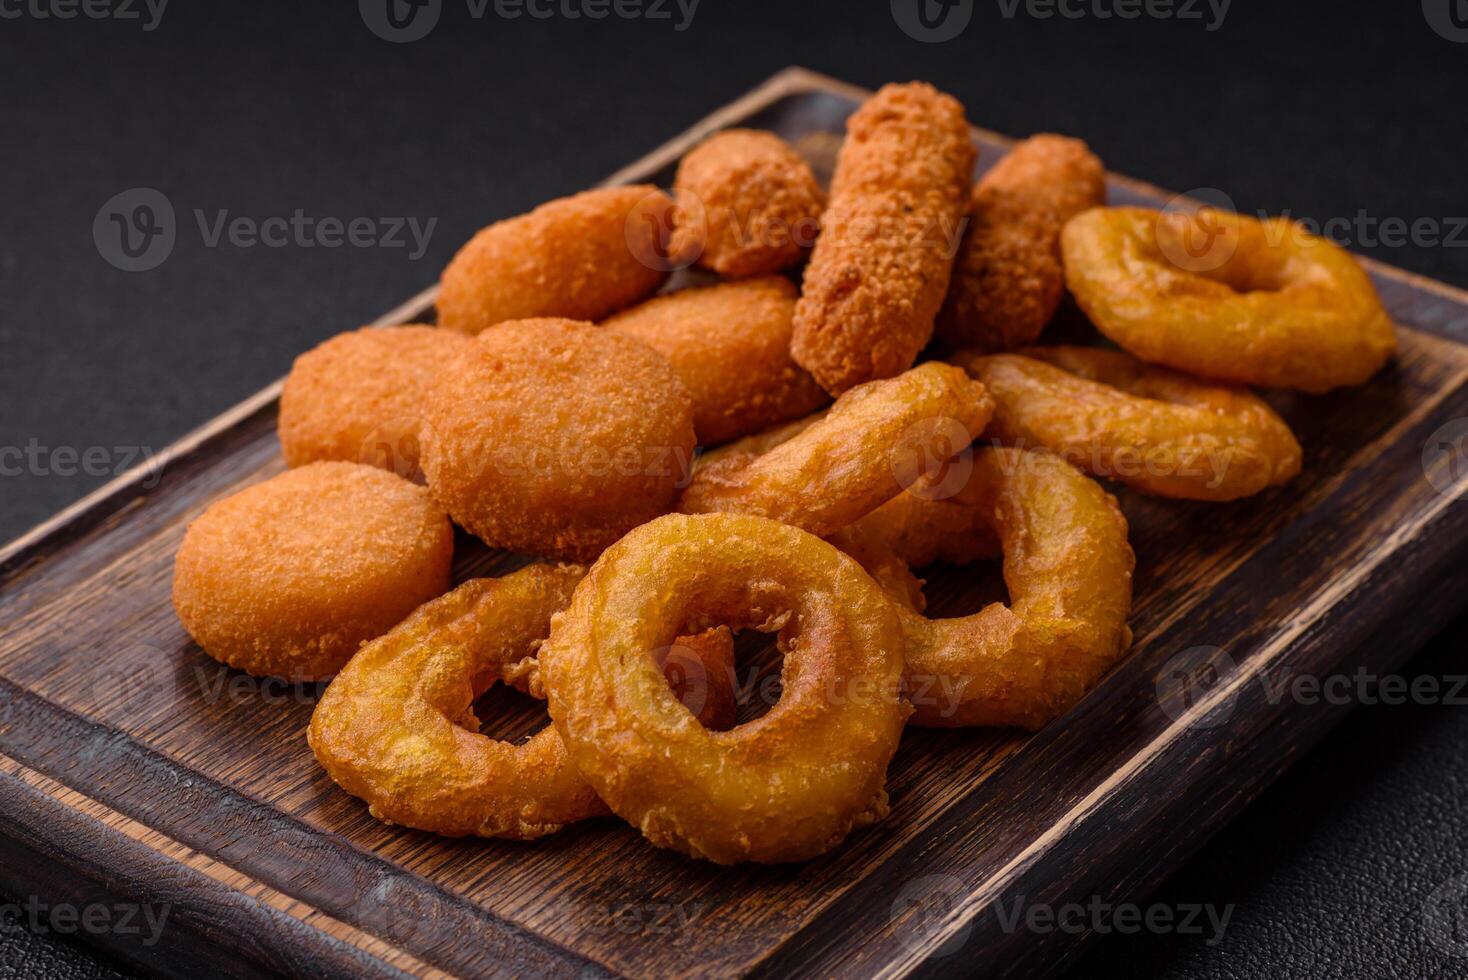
(730, 343)
(552, 437)
(287, 578)
(879, 271)
(747, 204)
(1007, 280)
(582, 257)
(359, 396)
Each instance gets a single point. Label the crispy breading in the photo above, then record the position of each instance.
(287, 578)
(551, 437)
(747, 204)
(730, 343)
(583, 257)
(880, 269)
(1007, 279)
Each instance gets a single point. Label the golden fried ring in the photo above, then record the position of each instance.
(747, 204)
(1155, 430)
(785, 787)
(582, 257)
(1068, 567)
(397, 727)
(879, 271)
(1226, 296)
(1007, 280)
(876, 440)
(923, 524)
(287, 578)
(730, 345)
(359, 397)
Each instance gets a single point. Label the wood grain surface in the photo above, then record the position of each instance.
(131, 764)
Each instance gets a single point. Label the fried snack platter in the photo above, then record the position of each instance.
(202, 777)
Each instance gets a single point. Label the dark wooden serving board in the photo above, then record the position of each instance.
(134, 768)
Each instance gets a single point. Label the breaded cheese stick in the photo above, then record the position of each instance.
(879, 270)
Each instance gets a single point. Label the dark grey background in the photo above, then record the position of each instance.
(260, 108)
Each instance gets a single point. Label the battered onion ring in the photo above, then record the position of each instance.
(879, 271)
(1226, 296)
(1155, 430)
(877, 439)
(1007, 281)
(1068, 567)
(397, 727)
(784, 787)
(921, 525)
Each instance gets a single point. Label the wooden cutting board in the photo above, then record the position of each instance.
(135, 769)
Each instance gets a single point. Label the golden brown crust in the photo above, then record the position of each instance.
(397, 726)
(785, 787)
(1068, 567)
(287, 578)
(876, 440)
(555, 438)
(730, 344)
(1229, 297)
(1153, 429)
(1007, 279)
(929, 521)
(880, 269)
(582, 257)
(747, 204)
(358, 397)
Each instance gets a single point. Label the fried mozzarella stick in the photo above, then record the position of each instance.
(1007, 279)
(880, 268)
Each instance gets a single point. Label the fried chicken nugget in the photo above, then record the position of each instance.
(730, 343)
(880, 269)
(555, 438)
(1007, 279)
(359, 396)
(747, 204)
(582, 257)
(287, 578)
